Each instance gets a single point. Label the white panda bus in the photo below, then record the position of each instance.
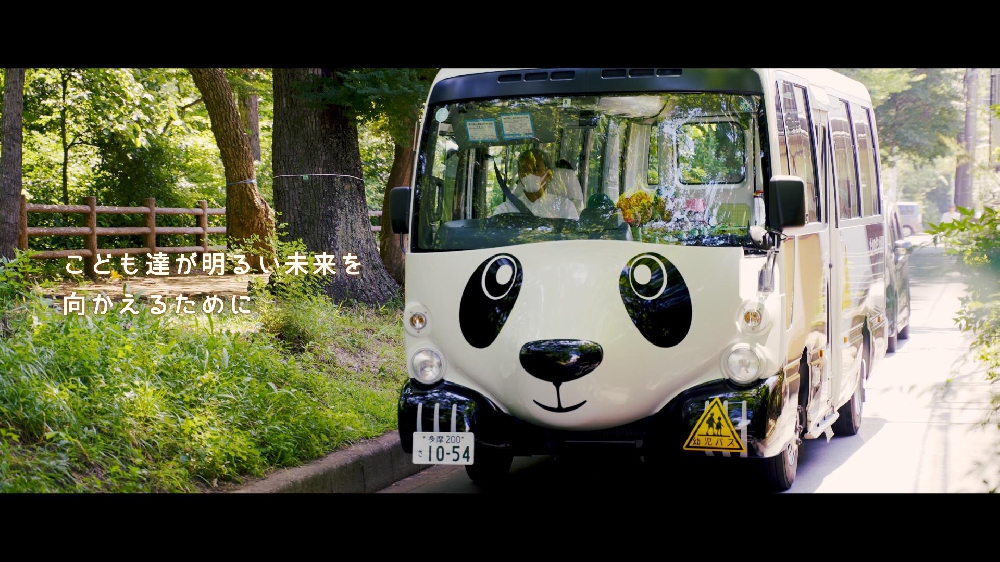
(716, 290)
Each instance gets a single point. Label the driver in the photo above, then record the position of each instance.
(535, 178)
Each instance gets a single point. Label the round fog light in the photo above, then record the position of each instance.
(428, 366)
(742, 364)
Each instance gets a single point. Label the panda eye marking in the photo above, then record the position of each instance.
(656, 298)
(648, 276)
(498, 276)
(488, 299)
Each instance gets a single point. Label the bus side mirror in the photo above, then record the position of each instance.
(786, 202)
(903, 247)
(399, 209)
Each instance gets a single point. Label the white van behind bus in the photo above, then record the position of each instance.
(722, 292)
(911, 218)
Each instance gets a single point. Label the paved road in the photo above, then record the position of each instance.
(929, 425)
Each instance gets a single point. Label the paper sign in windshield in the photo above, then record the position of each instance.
(481, 130)
(517, 126)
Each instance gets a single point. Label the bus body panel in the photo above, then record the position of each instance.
(572, 291)
(545, 333)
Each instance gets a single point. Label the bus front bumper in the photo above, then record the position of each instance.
(762, 415)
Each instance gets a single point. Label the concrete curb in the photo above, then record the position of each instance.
(362, 468)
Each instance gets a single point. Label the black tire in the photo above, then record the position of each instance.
(491, 466)
(904, 334)
(849, 421)
(891, 340)
(907, 231)
(779, 471)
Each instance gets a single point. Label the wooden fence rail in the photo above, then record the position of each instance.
(91, 209)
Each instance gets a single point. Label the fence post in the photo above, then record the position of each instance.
(90, 240)
(22, 230)
(203, 223)
(151, 225)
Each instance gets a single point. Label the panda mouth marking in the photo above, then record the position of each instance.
(558, 408)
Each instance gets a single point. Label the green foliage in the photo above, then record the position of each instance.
(377, 153)
(930, 185)
(921, 122)
(917, 110)
(882, 83)
(371, 94)
(17, 278)
(148, 403)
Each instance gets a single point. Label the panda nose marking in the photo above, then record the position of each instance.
(559, 361)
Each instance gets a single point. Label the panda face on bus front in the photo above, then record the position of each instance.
(586, 339)
(599, 317)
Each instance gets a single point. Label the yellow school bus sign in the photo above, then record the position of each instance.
(715, 432)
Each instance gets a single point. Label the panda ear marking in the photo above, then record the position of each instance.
(488, 299)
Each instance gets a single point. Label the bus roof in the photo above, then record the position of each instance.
(818, 76)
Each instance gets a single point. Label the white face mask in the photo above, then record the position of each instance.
(531, 183)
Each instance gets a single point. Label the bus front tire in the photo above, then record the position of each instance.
(904, 333)
(849, 421)
(779, 470)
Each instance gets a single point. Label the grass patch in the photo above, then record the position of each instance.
(177, 403)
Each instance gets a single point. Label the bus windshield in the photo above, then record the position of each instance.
(666, 168)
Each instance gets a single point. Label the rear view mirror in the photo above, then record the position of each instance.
(399, 209)
(903, 247)
(786, 202)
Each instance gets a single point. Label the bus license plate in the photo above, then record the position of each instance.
(443, 448)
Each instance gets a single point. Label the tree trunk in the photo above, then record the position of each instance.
(390, 249)
(250, 113)
(963, 172)
(64, 136)
(10, 160)
(318, 187)
(248, 216)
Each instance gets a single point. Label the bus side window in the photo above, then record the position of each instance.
(844, 168)
(798, 143)
(866, 161)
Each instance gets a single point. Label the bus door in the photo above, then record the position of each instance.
(808, 286)
(848, 239)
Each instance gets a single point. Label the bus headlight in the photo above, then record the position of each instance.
(743, 364)
(752, 317)
(427, 366)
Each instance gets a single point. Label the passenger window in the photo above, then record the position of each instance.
(845, 173)
(797, 133)
(868, 177)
